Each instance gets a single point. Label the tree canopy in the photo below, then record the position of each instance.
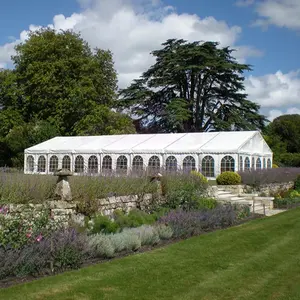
(192, 87)
(283, 136)
(58, 82)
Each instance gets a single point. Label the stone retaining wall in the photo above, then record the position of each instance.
(266, 190)
(66, 211)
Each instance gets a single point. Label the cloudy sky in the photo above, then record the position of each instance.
(264, 32)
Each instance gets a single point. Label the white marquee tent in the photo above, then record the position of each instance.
(209, 152)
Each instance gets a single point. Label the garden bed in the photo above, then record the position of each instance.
(10, 281)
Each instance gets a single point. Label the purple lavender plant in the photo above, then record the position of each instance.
(189, 223)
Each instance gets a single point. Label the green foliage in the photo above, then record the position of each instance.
(286, 202)
(59, 86)
(283, 136)
(287, 129)
(274, 166)
(22, 229)
(200, 176)
(211, 96)
(26, 135)
(103, 121)
(290, 159)
(134, 218)
(101, 245)
(229, 178)
(103, 224)
(68, 257)
(165, 232)
(208, 203)
(297, 184)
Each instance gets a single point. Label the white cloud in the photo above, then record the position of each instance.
(131, 29)
(281, 13)
(274, 90)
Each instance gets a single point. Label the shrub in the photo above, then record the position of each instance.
(134, 218)
(17, 231)
(147, 234)
(286, 202)
(200, 176)
(125, 240)
(103, 224)
(164, 232)
(274, 166)
(209, 203)
(61, 250)
(266, 176)
(189, 223)
(297, 183)
(184, 192)
(101, 245)
(68, 248)
(229, 178)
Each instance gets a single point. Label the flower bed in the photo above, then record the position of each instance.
(62, 249)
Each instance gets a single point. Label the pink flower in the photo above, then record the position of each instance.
(39, 237)
(28, 234)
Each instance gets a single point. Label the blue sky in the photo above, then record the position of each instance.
(267, 30)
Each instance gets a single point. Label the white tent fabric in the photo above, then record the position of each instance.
(179, 145)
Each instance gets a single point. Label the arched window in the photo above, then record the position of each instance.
(66, 163)
(107, 164)
(227, 164)
(208, 166)
(189, 164)
(42, 164)
(258, 164)
(53, 163)
(264, 163)
(269, 163)
(247, 164)
(137, 164)
(252, 163)
(241, 163)
(30, 163)
(154, 164)
(79, 164)
(93, 164)
(122, 164)
(171, 164)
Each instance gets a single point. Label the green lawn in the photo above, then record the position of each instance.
(258, 260)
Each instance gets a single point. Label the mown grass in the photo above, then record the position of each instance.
(257, 260)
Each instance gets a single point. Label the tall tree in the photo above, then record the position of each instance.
(58, 78)
(192, 87)
(286, 128)
(59, 85)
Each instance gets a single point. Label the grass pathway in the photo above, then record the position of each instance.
(257, 260)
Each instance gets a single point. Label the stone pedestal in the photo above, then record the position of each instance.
(63, 189)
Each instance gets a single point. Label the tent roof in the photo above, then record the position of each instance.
(213, 142)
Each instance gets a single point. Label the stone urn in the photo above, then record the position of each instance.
(63, 189)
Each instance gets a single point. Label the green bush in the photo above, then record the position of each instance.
(274, 166)
(286, 202)
(101, 245)
(200, 176)
(297, 183)
(164, 232)
(134, 218)
(229, 178)
(103, 224)
(209, 203)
